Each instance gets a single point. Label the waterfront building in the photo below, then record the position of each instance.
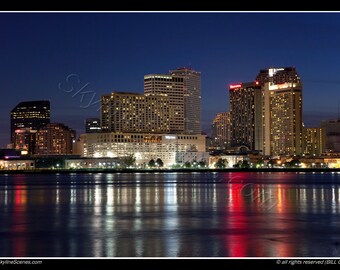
(25, 140)
(54, 139)
(246, 126)
(134, 112)
(332, 135)
(313, 141)
(143, 146)
(30, 114)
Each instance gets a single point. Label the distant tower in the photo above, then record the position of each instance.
(92, 125)
(221, 130)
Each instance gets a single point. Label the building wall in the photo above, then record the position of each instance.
(183, 157)
(332, 135)
(173, 87)
(245, 115)
(92, 125)
(313, 141)
(192, 99)
(25, 140)
(133, 112)
(54, 139)
(143, 146)
(17, 164)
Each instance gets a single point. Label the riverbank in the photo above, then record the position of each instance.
(67, 171)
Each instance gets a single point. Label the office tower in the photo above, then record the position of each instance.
(134, 112)
(92, 125)
(313, 141)
(25, 140)
(221, 130)
(332, 135)
(173, 87)
(192, 99)
(30, 114)
(282, 111)
(54, 139)
(246, 115)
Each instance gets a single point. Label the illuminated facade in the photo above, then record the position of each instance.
(246, 115)
(192, 99)
(173, 87)
(282, 114)
(143, 146)
(133, 112)
(92, 125)
(30, 114)
(313, 141)
(25, 140)
(54, 139)
(221, 130)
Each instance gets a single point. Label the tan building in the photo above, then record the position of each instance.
(54, 139)
(192, 99)
(221, 130)
(142, 145)
(313, 141)
(134, 112)
(173, 87)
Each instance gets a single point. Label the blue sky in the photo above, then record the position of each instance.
(113, 51)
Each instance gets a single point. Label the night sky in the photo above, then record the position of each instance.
(54, 55)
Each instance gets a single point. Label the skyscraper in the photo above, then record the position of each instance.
(192, 99)
(221, 130)
(30, 114)
(282, 111)
(134, 112)
(246, 115)
(173, 87)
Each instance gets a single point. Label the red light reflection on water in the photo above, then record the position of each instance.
(19, 219)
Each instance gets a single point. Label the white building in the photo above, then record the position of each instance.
(143, 146)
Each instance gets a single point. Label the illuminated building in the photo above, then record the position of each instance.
(246, 115)
(282, 114)
(313, 141)
(221, 130)
(54, 139)
(278, 75)
(173, 87)
(92, 125)
(134, 112)
(143, 146)
(24, 140)
(332, 135)
(30, 114)
(192, 99)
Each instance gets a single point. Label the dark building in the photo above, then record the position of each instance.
(24, 140)
(30, 114)
(332, 135)
(246, 115)
(92, 125)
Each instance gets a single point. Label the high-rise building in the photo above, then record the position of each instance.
(30, 114)
(192, 99)
(332, 135)
(134, 112)
(55, 139)
(282, 111)
(221, 130)
(25, 140)
(92, 125)
(173, 87)
(313, 141)
(246, 115)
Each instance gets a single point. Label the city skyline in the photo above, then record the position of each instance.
(45, 54)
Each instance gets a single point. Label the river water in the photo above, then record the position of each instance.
(224, 214)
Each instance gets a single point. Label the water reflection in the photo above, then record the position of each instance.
(170, 215)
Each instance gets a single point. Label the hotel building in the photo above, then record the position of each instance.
(221, 130)
(134, 112)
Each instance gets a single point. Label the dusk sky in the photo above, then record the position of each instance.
(113, 51)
